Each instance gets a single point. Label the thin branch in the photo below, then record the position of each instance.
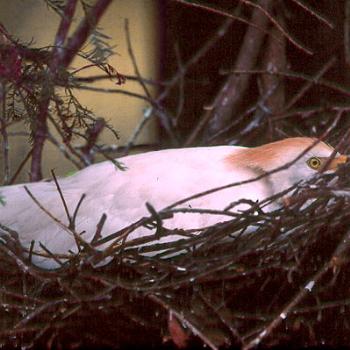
(310, 83)
(61, 61)
(278, 25)
(314, 13)
(58, 187)
(230, 94)
(4, 135)
(164, 118)
(300, 76)
(77, 40)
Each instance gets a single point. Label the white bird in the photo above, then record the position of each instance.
(160, 178)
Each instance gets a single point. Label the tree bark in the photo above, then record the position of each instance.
(231, 93)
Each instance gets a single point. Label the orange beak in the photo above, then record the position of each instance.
(335, 162)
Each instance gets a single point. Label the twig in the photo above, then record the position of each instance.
(290, 74)
(21, 166)
(77, 40)
(277, 24)
(58, 187)
(313, 12)
(111, 91)
(230, 94)
(93, 133)
(164, 118)
(196, 331)
(4, 135)
(62, 148)
(216, 10)
(310, 83)
(305, 290)
(40, 132)
(61, 61)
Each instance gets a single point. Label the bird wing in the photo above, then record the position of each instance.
(159, 178)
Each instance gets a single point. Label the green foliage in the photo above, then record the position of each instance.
(29, 81)
(56, 5)
(101, 50)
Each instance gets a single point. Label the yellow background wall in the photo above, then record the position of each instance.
(32, 20)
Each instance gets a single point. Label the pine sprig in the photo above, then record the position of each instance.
(56, 5)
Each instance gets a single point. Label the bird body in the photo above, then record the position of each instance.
(160, 178)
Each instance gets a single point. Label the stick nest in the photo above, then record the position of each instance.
(285, 281)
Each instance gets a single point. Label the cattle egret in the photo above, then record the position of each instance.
(160, 178)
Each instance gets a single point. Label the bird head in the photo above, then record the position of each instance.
(303, 157)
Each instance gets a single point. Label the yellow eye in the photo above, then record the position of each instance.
(314, 163)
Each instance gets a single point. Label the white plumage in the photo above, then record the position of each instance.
(159, 178)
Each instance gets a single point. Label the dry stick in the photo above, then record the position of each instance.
(136, 132)
(38, 311)
(311, 111)
(93, 78)
(336, 148)
(20, 167)
(164, 118)
(23, 297)
(227, 323)
(57, 221)
(181, 89)
(63, 150)
(196, 331)
(58, 187)
(200, 276)
(336, 260)
(266, 13)
(275, 60)
(133, 59)
(308, 286)
(40, 131)
(67, 144)
(93, 134)
(77, 40)
(66, 20)
(220, 12)
(22, 265)
(40, 135)
(313, 12)
(341, 146)
(78, 239)
(278, 25)
(323, 306)
(75, 213)
(310, 83)
(260, 102)
(209, 44)
(218, 34)
(90, 117)
(3, 132)
(231, 93)
(111, 91)
(50, 254)
(62, 60)
(99, 227)
(294, 75)
(347, 33)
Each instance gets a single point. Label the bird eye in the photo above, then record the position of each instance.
(314, 163)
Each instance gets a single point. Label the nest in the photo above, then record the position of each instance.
(264, 278)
